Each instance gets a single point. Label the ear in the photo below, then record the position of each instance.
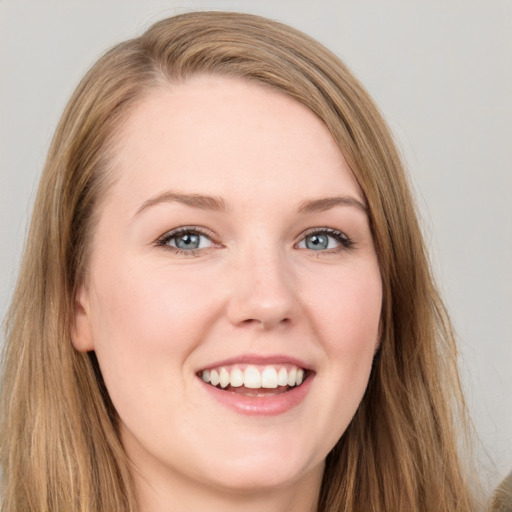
(81, 330)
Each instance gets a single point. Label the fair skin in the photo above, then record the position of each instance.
(274, 268)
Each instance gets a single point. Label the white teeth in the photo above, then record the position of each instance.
(253, 377)
(269, 378)
(292, 377)
(237, 378)
(214, 378)
(224, 378)
(282, 377)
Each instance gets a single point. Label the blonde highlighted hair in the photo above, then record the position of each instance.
(60, 449)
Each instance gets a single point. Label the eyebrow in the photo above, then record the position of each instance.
(215, 203)
(200, 201)
(326, 203)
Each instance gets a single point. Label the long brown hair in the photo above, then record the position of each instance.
(59, 445)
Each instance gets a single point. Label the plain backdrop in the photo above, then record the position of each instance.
(441, 71)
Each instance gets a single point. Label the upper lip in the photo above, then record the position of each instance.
(258, 359)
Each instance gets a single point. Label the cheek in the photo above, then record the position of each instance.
(346, 315)
(353, 337)
(146, 321)
(346, 311)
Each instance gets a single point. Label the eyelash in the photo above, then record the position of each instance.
(346, 243)
(185, 230)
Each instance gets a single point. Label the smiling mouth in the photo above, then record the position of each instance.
(255, 380)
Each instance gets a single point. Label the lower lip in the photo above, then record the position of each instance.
(261, 405)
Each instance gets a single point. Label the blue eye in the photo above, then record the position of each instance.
(325, 240)
(186, 240)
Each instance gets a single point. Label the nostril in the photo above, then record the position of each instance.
(265, 323)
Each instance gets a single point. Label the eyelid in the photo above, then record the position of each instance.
(175, 232)
(341, 237)
(345, 242)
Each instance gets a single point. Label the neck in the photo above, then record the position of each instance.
(172, 493)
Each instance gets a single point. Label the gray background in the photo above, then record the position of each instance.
(441, 71)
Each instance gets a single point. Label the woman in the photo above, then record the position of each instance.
(225, 300)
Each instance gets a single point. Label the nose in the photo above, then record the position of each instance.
(264, 292)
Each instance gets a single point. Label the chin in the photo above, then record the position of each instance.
(254, 481)
(261, 472)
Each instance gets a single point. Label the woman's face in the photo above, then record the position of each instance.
(233, 245)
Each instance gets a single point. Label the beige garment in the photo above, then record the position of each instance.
(502, 499)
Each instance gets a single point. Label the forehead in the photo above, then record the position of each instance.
(217, 135)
